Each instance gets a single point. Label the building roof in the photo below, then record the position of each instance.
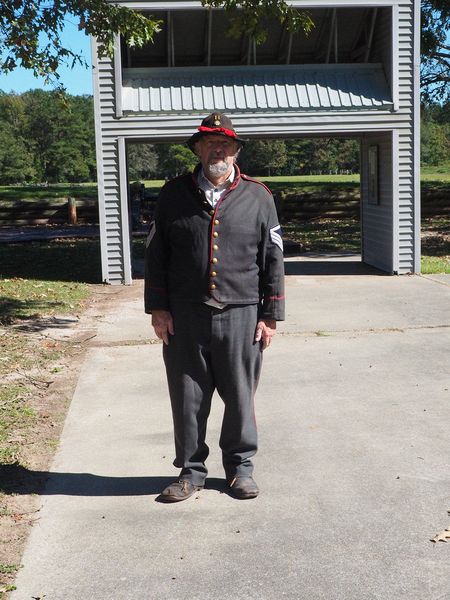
(347, 87)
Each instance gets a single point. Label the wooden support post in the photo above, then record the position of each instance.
(209, 37)
(72, 210)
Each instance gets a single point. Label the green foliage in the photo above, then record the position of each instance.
(46, 138)
(264, 157)
(175, 159)
(435, 144)
(435, 49)
(15, 159)
(142, 161)
(300, 156)
(251, 18)
(30, 32)
(435, 134)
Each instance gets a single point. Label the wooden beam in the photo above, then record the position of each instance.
(336, 39)
(289, 50)
(172, 43)
(370, 38)
(169, 61)
(330, 39)
(280, 52)
(209, 37)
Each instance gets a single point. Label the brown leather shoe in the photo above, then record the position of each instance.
(179, 490)
(243, 487)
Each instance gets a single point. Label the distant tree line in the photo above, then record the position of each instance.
(435, 134)
(44, 138)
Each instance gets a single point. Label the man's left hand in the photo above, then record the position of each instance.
(265, 330)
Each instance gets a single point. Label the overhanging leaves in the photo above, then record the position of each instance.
(251, 17)
(30, 32)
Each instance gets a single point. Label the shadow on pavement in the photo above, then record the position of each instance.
(15, 479)
(316, 266)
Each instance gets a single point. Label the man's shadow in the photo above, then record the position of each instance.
(15, 479)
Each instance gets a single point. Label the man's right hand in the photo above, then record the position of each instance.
(162, 324)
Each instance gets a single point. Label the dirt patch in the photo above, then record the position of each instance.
(49, 390)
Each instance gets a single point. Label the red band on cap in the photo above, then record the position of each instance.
(215, 129)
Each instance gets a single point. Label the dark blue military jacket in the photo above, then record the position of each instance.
(232, 253)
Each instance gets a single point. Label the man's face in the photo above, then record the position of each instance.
(217, 154)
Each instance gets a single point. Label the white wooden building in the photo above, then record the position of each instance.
(356, 74)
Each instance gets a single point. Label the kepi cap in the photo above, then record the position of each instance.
(214, 124)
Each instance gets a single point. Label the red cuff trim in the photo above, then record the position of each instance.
(277, 297)
(216, 129)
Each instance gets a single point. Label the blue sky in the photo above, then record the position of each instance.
(76, 81)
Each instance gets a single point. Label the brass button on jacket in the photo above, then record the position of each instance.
(215, 247)
(216, 221)
(215, 234)
(213, 274)
(214, 261)
(212, 286)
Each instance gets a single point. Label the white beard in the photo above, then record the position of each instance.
(218, 169)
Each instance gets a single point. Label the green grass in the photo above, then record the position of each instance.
(36, 280)
(25, 359)
(312, 182)
(440, 173)
(56, 260)
(25, 298)
(8, 568)
(24, 372)
(434, 264)
(325, 235)
(15, 418)
(56, 191)
(153, 185)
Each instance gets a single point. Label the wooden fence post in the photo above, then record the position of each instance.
(72, 209)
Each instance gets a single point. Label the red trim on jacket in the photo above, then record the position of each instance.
(247, 178)
(237, 177)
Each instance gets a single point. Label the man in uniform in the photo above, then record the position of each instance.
(214, 284)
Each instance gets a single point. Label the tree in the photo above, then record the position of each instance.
(435, 134)
(16, 163)
(253, 17)
(30, 32)
(321, 155)
(435, 68)
(60, 135)
(142, 161)
(16, 159)
(264, 157)
(175, 159)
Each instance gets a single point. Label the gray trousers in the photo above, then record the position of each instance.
(213, 349)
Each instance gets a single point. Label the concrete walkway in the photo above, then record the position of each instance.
(353, 412)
